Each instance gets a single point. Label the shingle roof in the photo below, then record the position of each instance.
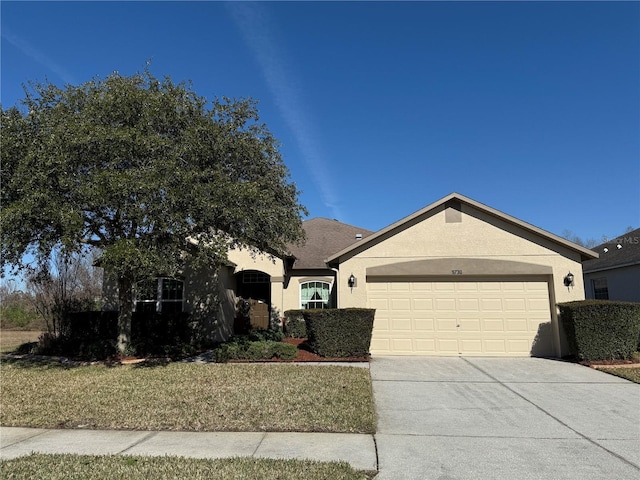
(324, 237)
(620, 251)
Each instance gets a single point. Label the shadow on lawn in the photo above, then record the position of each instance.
(53, 362)
(40, 361)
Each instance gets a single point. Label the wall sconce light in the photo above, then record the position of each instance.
(351, 281)
(568, 280)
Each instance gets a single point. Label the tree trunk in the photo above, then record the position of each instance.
(125, 312)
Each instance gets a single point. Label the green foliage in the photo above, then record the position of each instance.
(91, 336)
(17, 311)
(294, 324)
(15, 316)
(344, 332)
(262, 336)
(135, 166)
(601, 329)
(255, 350)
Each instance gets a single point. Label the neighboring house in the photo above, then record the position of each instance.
(455, 278)
(616, 274)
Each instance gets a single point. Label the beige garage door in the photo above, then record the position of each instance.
(488, 318)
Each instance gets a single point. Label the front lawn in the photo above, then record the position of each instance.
(187, 396)
(67, 467)
(12, 339)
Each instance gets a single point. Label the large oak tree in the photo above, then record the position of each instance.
(135, 166)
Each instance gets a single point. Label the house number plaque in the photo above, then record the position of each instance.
(456, 272)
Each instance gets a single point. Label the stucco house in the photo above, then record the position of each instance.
(616, 274)
(454, 278)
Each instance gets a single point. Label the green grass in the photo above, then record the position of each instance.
(630, 373)
(188, 397)
(85, 467)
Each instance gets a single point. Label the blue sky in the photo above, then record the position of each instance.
(385, 107)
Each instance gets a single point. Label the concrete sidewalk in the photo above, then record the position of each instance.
(358, 450)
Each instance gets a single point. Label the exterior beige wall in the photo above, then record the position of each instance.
(477, 235)
(245, 260)
(209, 297)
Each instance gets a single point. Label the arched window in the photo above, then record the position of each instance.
(315, 295)
(160, 295)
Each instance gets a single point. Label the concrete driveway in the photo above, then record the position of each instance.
(503, 418)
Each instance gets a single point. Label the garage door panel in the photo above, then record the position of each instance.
(377, 287)
(401, 325)
(399, 304)
(421, 286)
(454, 318)
(381, 345)
(447, 346)
(493, 325)
(425, 346)
(399, 287)
(445, 304)
(402, 345)
(427, 324)
(490, 287)
(513, 287)
(514, 305)
(470, 325)
(468, 304)
(517, 325)
(470, 345)
(424, 304)
(444, 286)
(495, 347)
(519, 345)
(381, 304)
(537, 305)
(491, 304)
(447, 324)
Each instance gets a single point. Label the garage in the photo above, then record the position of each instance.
(461, 278)
(496, 317)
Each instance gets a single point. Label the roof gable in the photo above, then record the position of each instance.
(451, 200)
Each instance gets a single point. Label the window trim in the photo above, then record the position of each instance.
(326, 304)
(159, 301)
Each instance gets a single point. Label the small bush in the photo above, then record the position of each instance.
(600, 329)
(27, 348)
(344, 332)
(294, 324)
(265, 335)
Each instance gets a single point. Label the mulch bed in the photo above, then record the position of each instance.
(306, 355)
(618, 363)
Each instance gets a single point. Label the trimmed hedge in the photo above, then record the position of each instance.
(294, 324)
(601, 329)
(258, 350)
(339, 332)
